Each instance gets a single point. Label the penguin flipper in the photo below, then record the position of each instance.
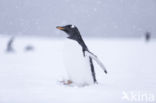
(94, 57)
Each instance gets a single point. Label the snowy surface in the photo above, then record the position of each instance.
(32, 76)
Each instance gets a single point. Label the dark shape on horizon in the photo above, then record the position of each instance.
(147, 36)
(29, 48)
(74, 34)
(10, 45)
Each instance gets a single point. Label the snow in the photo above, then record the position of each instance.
(33, 77)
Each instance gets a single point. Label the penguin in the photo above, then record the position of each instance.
(10, 45)
(80, 68)
(147, 36)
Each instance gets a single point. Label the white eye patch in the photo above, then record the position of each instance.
(72, 26)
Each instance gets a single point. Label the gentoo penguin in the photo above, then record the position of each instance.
(80, 68)
(10, 45)
(147, 36)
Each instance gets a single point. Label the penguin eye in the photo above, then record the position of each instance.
(72, 26)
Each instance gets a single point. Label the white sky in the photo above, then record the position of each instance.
(108, 18)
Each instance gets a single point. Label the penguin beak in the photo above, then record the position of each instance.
(60, 28)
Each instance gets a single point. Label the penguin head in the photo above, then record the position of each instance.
(71, 30)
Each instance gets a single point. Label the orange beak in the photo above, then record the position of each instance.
(60, 28)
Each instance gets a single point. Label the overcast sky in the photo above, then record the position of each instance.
(106, 18)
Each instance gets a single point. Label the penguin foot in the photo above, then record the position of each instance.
(68, 82)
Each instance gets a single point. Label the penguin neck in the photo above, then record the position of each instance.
(83, 45)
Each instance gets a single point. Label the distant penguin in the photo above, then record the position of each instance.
(29, 48)
(147, 36)
(78, 59)
(10, 45)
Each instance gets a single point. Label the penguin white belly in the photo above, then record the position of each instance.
(77, 66)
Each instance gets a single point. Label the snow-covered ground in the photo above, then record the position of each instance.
(32, 76)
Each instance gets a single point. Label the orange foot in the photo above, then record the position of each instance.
(68, 82)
